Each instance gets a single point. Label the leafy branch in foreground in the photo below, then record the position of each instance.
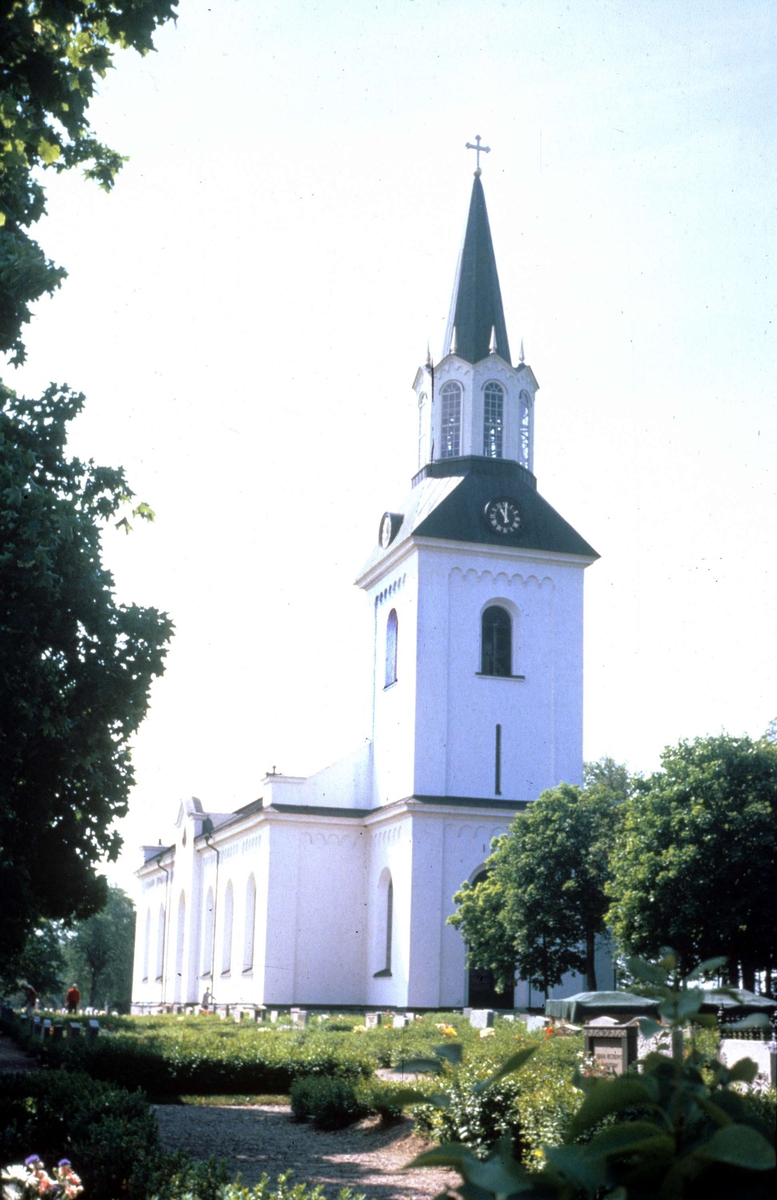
(52, 55)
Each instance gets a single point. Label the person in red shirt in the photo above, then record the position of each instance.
(72, 999)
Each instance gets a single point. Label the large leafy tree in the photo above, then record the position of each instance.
(543, 902)
(99, 953)
(75, 667)
(52, 54)
(75, 670)
(695, 866)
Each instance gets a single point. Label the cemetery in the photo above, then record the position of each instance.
(361, 1090)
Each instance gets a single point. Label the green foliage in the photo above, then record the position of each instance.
(202, 1055)
(51, 57)
(281, 1189)
(109, 1134)
(678, 1128)
(77, 668)
(100, 953)
(40, 961)
(330, 1103)
(543, 901)
(694, 866)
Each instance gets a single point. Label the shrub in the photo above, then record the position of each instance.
(282, 1189)
(331, 1103)
(109, 1134)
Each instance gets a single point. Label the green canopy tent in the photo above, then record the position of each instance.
(585, 1006)
(745, 1004)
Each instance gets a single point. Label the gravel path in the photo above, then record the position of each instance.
(368, 1157)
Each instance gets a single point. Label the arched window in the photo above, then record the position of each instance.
(493, 424)
(207, 935)
(160, 943)
(385, 927)
(248, 935)
(180, 933)
(422, 410)
(147, 946)
(392, 634)
(226, 944)
(525, 429)
(389, 922)
(450, 427)
(496, 642)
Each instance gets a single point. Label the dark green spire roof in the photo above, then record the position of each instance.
(476, 304)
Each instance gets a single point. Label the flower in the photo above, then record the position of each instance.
(487, 1033)
(447, 1031)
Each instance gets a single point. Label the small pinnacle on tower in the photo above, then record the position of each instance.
(428, 356)
(453, 349)
(520, 356)
(492, 343)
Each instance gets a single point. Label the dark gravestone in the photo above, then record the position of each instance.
(613, 1046)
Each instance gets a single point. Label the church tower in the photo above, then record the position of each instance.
(336, 888)
(477, 584)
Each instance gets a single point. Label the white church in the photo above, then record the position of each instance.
(334, 890)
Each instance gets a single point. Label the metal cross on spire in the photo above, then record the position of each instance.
(476, 146)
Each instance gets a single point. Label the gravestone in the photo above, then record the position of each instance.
(466, 1012)
(410, 1018)
(299, 1016)
(274, 1015)
(58, 1032)
(763, 1054)
(92, 1030)
(36, 1026)
(533, 1023)
(45, 1031)
(372, 1020)
(399, 1021)
(482, 1018)
(614, 1046)
(73, 1029)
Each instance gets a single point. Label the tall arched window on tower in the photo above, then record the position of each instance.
(385, 928)
(493, 419)
(147, 946)
(496, 642)
(392, 636)
(525, 429)
(450, 425)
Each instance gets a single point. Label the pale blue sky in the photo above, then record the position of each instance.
(246, 313)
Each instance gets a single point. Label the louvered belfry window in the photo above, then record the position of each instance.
(493, 423)
(451, 420)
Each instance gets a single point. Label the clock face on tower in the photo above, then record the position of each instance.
(389, 524)
(503, 515)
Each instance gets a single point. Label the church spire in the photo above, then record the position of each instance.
(476, 313)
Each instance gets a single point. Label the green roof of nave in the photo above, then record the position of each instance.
(476, 304)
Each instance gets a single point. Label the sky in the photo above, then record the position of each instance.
(246, 312)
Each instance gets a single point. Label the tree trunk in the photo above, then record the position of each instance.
(590, 960)
(748, 976)
(731, 973)
(545, 987)
(768, 981)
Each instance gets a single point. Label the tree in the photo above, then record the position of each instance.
(694, 867)
(75, 670)
(51, 54)
(544, 897)
(99, 954)
(40, 961)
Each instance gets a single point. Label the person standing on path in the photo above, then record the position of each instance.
(73, 998)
